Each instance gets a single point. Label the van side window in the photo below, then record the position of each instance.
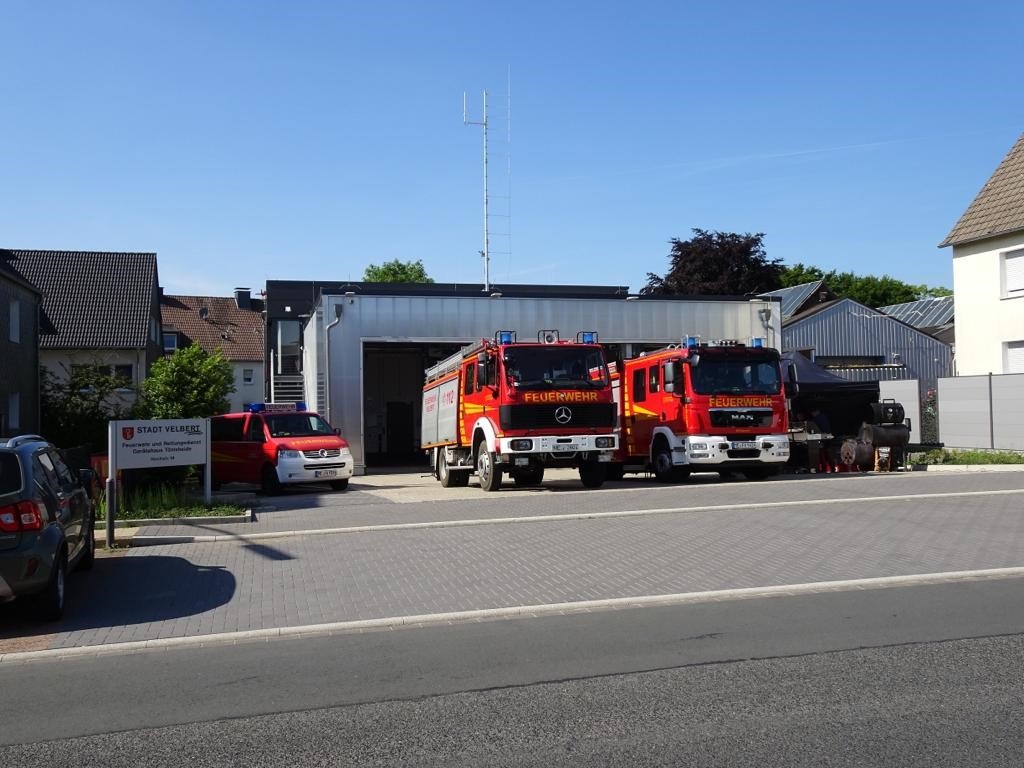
(639, 385)
(255, 433)
(226, 429)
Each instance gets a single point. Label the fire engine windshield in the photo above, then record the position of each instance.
(724, 376)
(555, 367)
(296, 425)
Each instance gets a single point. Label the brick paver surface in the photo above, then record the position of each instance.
(203, 588)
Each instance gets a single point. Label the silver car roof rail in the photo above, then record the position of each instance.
(14, 442)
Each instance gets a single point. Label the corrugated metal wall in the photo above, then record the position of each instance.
(461, 320)
(848, 329)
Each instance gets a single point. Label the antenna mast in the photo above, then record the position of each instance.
(486, 252)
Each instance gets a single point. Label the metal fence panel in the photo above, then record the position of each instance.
(1008, 411)
(965, 419)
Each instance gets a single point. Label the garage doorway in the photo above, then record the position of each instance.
(392, 393)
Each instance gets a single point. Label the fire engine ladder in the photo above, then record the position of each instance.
(451, 363)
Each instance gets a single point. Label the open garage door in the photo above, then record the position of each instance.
(392, 391)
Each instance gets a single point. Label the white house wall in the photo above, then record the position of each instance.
(356, 319)
(984, 320)
(246, 393)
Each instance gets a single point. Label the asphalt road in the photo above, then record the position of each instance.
(929, 676)
(909, 670)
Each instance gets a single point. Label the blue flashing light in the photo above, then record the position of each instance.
(257, 407)
(693, 341)
(758, 342)
(506, 337)
(588, 337)
(300, 406)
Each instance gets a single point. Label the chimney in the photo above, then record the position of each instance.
(242, 298)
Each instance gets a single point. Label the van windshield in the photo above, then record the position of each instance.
(297, 425)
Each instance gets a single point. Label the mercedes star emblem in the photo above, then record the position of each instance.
(563, 415)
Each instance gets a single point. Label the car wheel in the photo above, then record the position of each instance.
(339, 485)
(88, 556)
(49, 604)
(592, 474)
(487, 470)
(269, 483)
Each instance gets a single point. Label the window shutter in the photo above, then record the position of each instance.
(1013, 267)
(1015, 357)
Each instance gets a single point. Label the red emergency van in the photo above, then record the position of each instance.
(274, 445)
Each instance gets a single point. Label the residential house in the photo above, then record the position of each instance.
(988, 273)
(233, 325)
(98, 309)
(19, 349)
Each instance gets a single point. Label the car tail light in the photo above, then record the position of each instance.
(23, 516)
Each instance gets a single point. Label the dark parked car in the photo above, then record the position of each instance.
(47, 518)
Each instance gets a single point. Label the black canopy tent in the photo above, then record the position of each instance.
(844, 403)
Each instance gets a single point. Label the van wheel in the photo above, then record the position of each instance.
(592, 474)
(49, 604)
(269, 483)
(487, 469)
(339, 485)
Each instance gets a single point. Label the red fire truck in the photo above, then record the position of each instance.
(699, 407)
(518, 407)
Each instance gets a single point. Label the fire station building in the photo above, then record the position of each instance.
(356, 352)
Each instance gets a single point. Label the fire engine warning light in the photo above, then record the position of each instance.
(505, 337)
(548, 337)
(587, 337)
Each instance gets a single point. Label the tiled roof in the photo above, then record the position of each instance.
(999, 207)
(216, 322)
(91, 300)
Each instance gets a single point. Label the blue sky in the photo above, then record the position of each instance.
(251, 141)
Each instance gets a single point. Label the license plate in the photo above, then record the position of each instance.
(566, 447)
(744, 446)
(325, 473)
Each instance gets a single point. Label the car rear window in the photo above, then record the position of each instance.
(10, 473)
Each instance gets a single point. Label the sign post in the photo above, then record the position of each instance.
(148, 443)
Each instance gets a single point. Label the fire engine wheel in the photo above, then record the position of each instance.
(448, 478)
(487, 469)
(663, 468)
(529, 476)
(592, 474)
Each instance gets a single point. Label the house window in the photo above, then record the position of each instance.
(125, 373)
(247, 375)
(170, 342)
(1013, 274)
(15, 326)
(1014, 357)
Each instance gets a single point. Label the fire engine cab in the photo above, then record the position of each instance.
(701, 406)
(505, 406)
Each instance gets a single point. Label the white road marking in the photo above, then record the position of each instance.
(142, 541)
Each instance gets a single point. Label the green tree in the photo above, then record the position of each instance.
(717, 263)
(75, 408)
(190, 384)
(396, 271)
(872, 291)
